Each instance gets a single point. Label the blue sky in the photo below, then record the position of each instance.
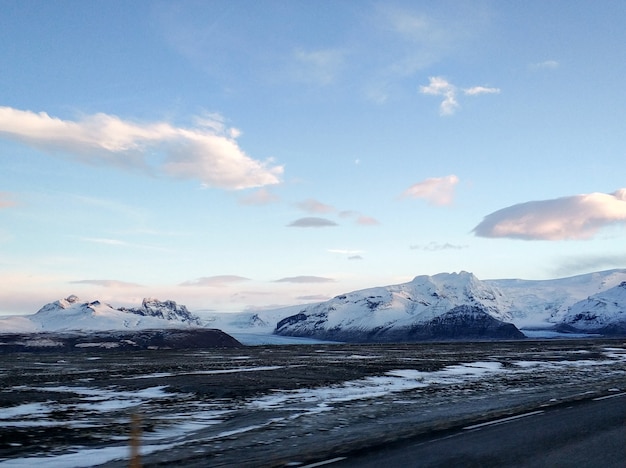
(233, 155)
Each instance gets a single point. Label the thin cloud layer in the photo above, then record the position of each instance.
(215, 281)
(345, 251)
(545, 65)
(367, 221)
(586, 263)
(318, 66)
(574, 217)
(305, 279)
(436, 247)
(314, 206)
(439, 86)
(436, 190)
(313, 297)
(478, 90)
(6, 201)
(259, 197)
(312, 222)
(207, 152)
(108, 283)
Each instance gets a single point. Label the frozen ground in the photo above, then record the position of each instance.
(279, 405)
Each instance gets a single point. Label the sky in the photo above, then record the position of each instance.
(238, 155)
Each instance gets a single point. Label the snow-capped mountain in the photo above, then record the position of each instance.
(167, 310)
(457, 305)
(544, 303)
(604, 312)
(443, 306)
(72, 314)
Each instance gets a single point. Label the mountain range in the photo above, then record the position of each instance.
(73, 314)
(451, 306)
(439, 307)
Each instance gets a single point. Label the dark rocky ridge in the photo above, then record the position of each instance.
(193, 338)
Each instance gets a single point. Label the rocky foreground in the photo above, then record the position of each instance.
(112, 340)
(280, 405)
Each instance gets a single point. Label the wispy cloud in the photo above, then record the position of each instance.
(215, 281)
(345, 251)
(305, 279)
(545, 65)
(121, 243)
(314, 206)
(313, 297)
(105, 241)
(367, 221)
(436, 190)
(589, 263)
(312, 222)
(207, 152)
(350, 254)
(6, 200)
(108, 283)
(437, 246)
(478, 90)
(359, 218)
(261, 196)
(573, 217)
(319, 66)
(439, 86)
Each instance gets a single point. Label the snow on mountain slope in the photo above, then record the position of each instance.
(71, 314)
(418, 308)
(408, 309)
(544, 303)
(415, 309)
(605, 309)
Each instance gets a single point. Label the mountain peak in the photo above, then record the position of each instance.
(168, 310)
(72, 314)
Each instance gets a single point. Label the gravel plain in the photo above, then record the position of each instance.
(279, 405)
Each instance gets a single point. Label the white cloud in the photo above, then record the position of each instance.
(574, 217)
(312, 222)
(476, 90)
(439, 86)
(208, 152)
(436, 190)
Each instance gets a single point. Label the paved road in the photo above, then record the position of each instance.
(585, 434)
